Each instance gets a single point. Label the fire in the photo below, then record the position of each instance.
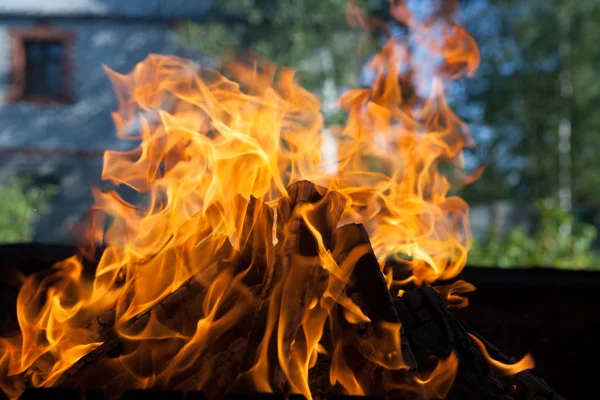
(227, 224)
(501, 368)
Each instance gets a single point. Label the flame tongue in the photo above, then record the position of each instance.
(225, 269)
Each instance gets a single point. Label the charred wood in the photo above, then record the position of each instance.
(367, 285)
(526, 381)
(295, 275)
(434, 332)
(112, 341)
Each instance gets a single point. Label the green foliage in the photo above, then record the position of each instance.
(521, 68)
(560, 241)
(311, 36)
(22, 205)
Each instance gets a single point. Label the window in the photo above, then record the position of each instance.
(40, 65)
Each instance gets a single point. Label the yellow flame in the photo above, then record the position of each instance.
(501, 368)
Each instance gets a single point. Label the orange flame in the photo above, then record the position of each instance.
(500, 368)
(455, 293)
(220, 228)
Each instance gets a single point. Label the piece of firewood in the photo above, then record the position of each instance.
(255, 240)
(434, 332)
(534, 386)
(227, 353)
(367, 285)
(296, 230)
(112, 341)
(367, 288)
(366, 277)
(324, 214)
(295, 275)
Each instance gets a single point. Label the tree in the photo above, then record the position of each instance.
(311, 36)
(517, 105)
(22, 206)
(539, 97)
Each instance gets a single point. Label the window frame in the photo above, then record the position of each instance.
(44, 33)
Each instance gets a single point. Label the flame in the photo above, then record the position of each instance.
(455, 293)
(221, 229)
(438, 383)
(500, 368)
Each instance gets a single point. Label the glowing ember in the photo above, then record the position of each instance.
(220, 222)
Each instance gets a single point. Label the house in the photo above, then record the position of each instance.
(55, 99)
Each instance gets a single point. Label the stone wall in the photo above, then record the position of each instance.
(70, 138)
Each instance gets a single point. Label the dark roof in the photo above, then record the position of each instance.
(106, 9)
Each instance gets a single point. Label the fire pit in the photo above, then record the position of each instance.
(566, 331)
(253, 266)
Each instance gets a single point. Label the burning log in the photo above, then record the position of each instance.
(431, 331)
(251, 264)
(434, 333)
(111, 341)
(306, 227)
(248, 263)
(525, 383)
(307, 209)
(368, 289)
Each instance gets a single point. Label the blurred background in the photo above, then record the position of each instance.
(531, 106)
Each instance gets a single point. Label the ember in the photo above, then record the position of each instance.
(250, 267)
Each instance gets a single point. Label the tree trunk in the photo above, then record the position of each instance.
(564, 126)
